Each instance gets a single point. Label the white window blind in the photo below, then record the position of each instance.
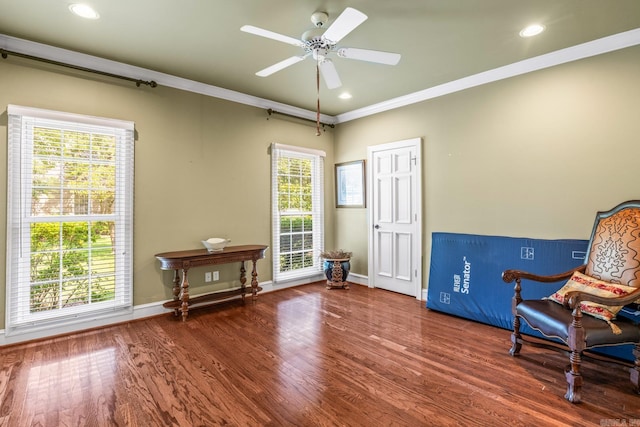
(69, 218)
(298, 211)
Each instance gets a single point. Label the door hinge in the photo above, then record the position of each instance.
(414, 159)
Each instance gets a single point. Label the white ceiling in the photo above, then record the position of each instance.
(440, 40)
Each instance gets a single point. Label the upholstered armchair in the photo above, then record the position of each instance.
(582, 313)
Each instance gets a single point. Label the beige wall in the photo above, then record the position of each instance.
(201, 166)
(531, 156)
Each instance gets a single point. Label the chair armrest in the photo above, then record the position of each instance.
(510, 275)
(573, 298)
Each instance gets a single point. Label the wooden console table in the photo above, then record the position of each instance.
(184, 260)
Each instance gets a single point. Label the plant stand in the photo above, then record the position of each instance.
(337, 273)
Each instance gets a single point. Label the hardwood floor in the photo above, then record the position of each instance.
(303, 356)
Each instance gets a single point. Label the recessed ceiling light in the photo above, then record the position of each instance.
(84, 11)
(532, 30)
(344, 95)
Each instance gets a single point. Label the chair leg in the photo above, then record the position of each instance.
(574, 378)
(635, 371)
(516, 338)
(576, 343)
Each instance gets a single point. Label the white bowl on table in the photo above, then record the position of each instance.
(215, 244)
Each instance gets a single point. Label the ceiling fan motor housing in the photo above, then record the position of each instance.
(312, 34)
(312, 38)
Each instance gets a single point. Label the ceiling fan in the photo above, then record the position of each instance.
(319, 43)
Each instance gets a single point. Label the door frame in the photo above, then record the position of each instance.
(418, 244)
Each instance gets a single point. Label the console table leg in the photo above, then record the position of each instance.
(254, 281)
(243, 279)
(185, 295)
(176, 284)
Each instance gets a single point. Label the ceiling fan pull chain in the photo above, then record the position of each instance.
(318, 93)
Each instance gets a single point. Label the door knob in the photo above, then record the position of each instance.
(376, 226)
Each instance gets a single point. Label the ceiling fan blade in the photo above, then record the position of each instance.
(271, 35)
(280, 65)
(330, 74)
(378, 56)
(348, 20)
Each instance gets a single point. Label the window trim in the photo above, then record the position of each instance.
(18, 208)
(277, 150)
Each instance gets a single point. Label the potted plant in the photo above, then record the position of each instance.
(336, 267)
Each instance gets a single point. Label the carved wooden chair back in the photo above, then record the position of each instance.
(614, 248)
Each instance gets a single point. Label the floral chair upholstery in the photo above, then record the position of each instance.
(583, 312)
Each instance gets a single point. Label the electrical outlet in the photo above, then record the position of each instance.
(207, 276)
(216, 276)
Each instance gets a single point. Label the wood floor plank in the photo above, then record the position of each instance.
(304, 356)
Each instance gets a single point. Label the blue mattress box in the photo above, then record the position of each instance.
(465, 277)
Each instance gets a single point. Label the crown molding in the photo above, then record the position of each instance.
(570, 54)
(40, 50)
(574, 53)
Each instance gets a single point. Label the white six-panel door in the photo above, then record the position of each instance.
(395, 242)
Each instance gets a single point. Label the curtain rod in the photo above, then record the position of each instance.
(5, 53)
(272, 111)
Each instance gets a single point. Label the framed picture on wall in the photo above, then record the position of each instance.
(350, 185)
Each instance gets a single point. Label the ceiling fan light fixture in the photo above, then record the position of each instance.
(83, 11)
(532, 30)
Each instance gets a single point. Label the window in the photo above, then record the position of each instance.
(298, 211)
(69, 217)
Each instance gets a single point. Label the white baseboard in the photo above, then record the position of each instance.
(138, 312)
(359, 279)
(153, 309)
(364, 280)
(270, 286)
